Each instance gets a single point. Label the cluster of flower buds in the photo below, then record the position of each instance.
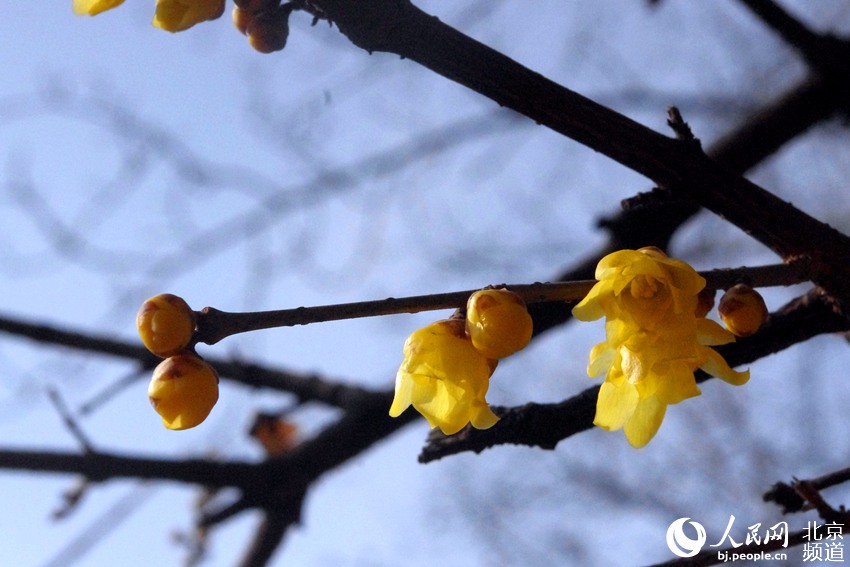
(447, 365)
(265, 22)
(184, 388)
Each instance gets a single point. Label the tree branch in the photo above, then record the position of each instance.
(307, 387)
(825, 53)
(396, 26)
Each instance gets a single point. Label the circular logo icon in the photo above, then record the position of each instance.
(682, 545)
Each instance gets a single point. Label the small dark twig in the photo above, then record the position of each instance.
(71, 498)
(113, 389)
(792, 499)
(69, 420)
(807, 490)
(679, 126)
(825, 53)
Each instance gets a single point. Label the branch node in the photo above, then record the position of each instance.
(680, 127)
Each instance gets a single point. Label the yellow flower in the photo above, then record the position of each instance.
(654, 340)
(183, 391)
(445, 378)
(94, 7)
(498, 322)
(179, 15)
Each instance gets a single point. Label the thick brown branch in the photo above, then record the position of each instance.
(755, 140)
(827, 54)
(397, 26)
(267, 538)
(97, 466)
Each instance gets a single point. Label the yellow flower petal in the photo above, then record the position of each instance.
(589, 308)
(645, 421)
(710, 333)
(180, 15)
(94, 7)
(483, 417)
(716, 365)
(615, 405)
(678, 384)
(601, 359)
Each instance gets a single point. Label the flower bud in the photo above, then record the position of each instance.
(498, 322)
(166, 324)
(269, 29)
(275, 434)
(742, 310)
(183, 390)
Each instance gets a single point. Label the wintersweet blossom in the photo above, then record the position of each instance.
(445, 378)
(179, 15)
(94, 7)
(654, 340)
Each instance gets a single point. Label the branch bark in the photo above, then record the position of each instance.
(397, 26)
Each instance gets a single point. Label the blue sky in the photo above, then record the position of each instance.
(137, 162)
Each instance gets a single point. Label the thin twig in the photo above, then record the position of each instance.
(793, 500)
(69, 420)
(214, 325)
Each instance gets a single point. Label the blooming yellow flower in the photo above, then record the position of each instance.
(445, 378)
(94, 7)
(654, 340)
(179, 15)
